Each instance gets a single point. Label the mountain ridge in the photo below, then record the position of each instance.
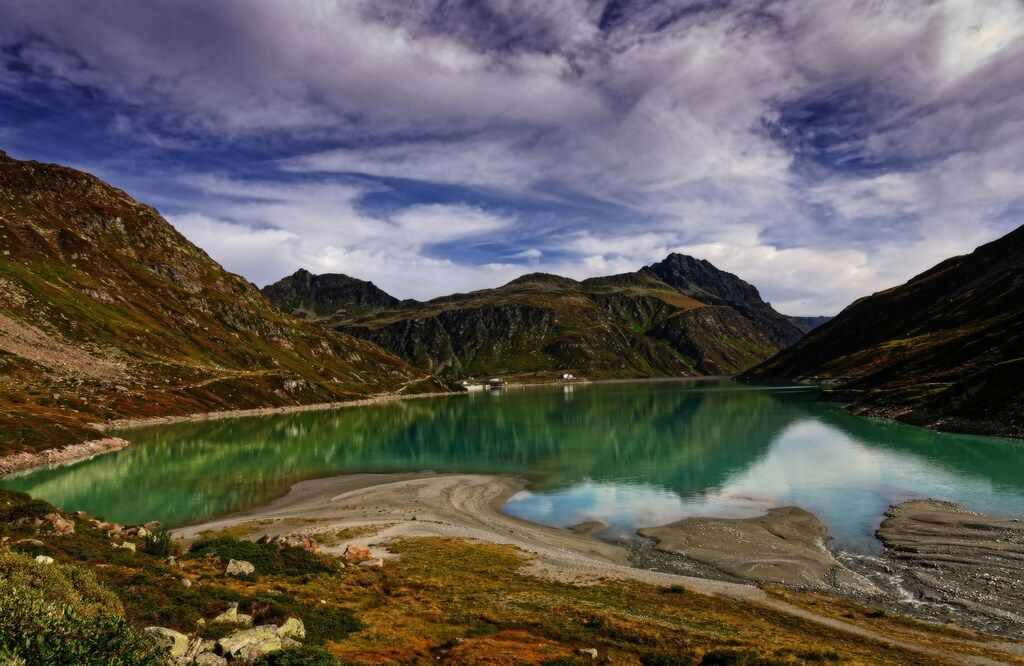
(640, 324)
(944, 350)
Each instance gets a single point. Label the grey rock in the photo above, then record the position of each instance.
(239, 568)
(44, 559)
(175, 642)
(292, 628)
(250, 644)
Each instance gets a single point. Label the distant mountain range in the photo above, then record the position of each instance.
(107, 312)
(944, 350)
(679, 317)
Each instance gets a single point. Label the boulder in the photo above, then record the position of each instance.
(250, 644)
(185, 582)
(373, 563)
(175, 642)
(357, 553)
(59, 524)
(209, 659)
(292, 628)
(304, 541)
(127, 545)
(172, 562)
(239, 568)
(44, 559)
(590, 653)
(229, 615)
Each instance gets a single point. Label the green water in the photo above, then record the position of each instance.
(627, 454)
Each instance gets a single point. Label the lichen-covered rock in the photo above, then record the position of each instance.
(209, 659)
(292, 628)
(44, 559)
(250, 644)
(175, 642)
(239, 568)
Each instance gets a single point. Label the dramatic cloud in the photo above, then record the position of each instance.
(819, 150)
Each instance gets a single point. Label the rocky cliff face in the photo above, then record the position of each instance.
(107, 312)
(677, 318)
(944, 350)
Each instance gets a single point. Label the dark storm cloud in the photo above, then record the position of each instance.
(445, 145)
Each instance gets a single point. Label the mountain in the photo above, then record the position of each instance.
(944, 350)
(808, 324)
(308, 294)
(679, 317)
(107, 312)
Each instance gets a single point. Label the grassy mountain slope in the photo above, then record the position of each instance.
(679, 317)
(106, 312)
(945, 350)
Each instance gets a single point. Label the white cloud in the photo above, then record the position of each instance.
(683, 118)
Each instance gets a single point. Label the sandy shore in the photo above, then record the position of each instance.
(467, 506)
(373, 509)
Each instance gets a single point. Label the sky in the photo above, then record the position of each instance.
(821, 150)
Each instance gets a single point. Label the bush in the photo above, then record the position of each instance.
(67, 583)
(38, 632)
(300, 656)
(323, 622)
(158, 542)
(266, 557)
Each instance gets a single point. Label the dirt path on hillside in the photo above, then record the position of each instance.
(377, 508)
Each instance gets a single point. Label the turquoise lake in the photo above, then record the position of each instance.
(626, 454)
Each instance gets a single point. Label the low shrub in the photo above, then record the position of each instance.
(158, 542)
(300, 656)
(323, 622)
(266, 557)
(36, 631)
(68, 583)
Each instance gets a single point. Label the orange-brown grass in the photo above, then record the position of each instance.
(449, 600)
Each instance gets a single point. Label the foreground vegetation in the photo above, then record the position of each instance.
(442, 601)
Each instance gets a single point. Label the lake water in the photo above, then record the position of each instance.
(626, 454)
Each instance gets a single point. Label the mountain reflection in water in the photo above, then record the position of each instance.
(627, 454)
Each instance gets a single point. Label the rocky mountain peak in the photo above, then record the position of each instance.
(326, 293)
(699, 277)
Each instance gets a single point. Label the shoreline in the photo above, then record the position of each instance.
(118, 424)
(29, 460)
(372, 510)
(26, 461)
